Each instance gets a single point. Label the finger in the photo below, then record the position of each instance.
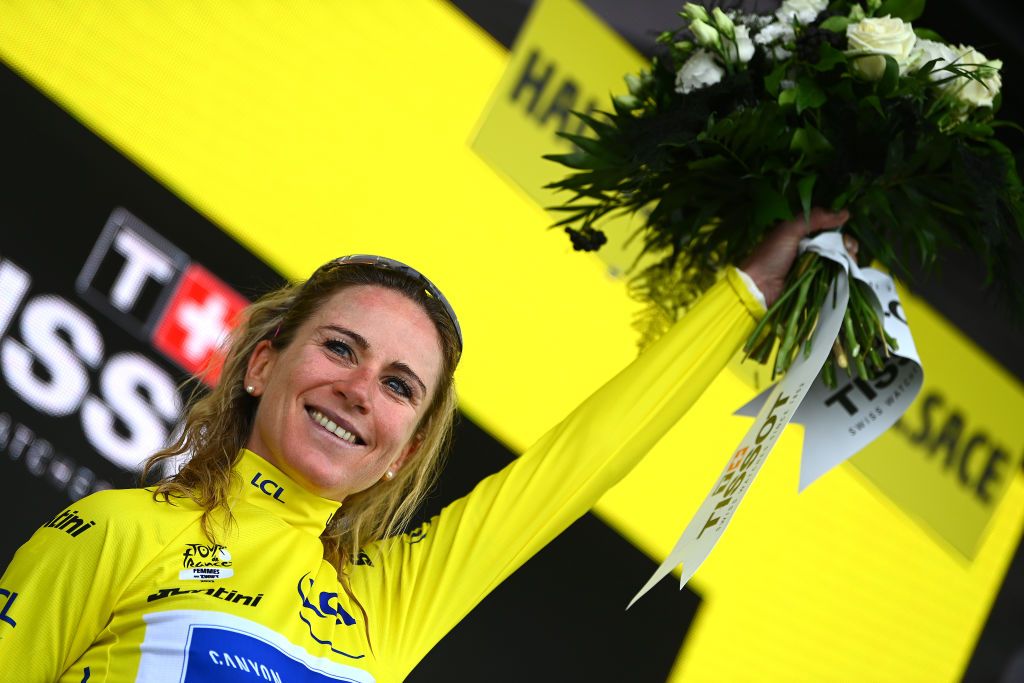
(823, 220)
(852, 245)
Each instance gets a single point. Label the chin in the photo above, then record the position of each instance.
(324, 486)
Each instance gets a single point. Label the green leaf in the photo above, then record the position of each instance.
(787, 97)
(575, 218)
(774, 78)
(810, 141)
(805, 186)
(709, 163)
(769, 206)
(580, 160)
(928, 34)
(843, 91)
(580, 208)
(977, 129)
(926, 245)
(1008, 124)
(907, 10)
(601, 128)
(925, 69)
(875, 103)
(829, 57)
(809, 94)
(836, 24)
(891, 77)
(894, 154)
(591, 146)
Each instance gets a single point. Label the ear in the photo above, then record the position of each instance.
(407, 453)
(261, 363)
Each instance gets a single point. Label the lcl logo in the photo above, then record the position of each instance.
(268, 486)
(154, 290)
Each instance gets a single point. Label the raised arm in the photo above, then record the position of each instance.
(480, 539)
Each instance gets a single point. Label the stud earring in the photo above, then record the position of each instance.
(250, 390)
(389, 475)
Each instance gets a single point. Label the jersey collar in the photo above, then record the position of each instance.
(269, 488)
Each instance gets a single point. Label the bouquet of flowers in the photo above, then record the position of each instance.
(746, 120)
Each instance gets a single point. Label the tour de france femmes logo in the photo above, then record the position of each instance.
(205, 562)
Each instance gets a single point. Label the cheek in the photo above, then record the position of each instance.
(401, 429)
(288, 383)
(268, 424)
(275, 416)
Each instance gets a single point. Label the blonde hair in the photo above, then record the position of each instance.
(218, 422)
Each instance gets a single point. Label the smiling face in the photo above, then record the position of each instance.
(339, 406)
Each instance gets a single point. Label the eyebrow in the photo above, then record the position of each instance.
(360, 341)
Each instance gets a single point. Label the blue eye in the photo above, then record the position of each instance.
(338, 347)
(399, 386)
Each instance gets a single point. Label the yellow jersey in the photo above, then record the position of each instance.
(122, 587)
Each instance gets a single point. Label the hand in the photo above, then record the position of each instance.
(771, 260)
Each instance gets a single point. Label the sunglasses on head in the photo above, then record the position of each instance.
(408, 271)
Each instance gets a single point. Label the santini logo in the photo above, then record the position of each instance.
(219, 593)
(70, 523)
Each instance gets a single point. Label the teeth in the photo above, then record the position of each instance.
(329, 425)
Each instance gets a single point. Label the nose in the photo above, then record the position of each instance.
(355, 387)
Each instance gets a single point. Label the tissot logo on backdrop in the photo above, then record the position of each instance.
(54, 358)
(151, 288)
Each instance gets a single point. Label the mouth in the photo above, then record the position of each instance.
(330, 423)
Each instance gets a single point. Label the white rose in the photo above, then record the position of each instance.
(970, 91)
(699, 71)
(878, 37)
(928, 50)
(741, 48)
(800, 11)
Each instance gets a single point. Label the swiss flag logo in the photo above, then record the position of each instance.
(197, 321)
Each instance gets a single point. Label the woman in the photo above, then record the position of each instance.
(272, 553)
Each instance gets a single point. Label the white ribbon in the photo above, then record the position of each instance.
(839, 422)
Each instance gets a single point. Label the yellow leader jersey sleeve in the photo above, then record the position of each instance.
(121, 587)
